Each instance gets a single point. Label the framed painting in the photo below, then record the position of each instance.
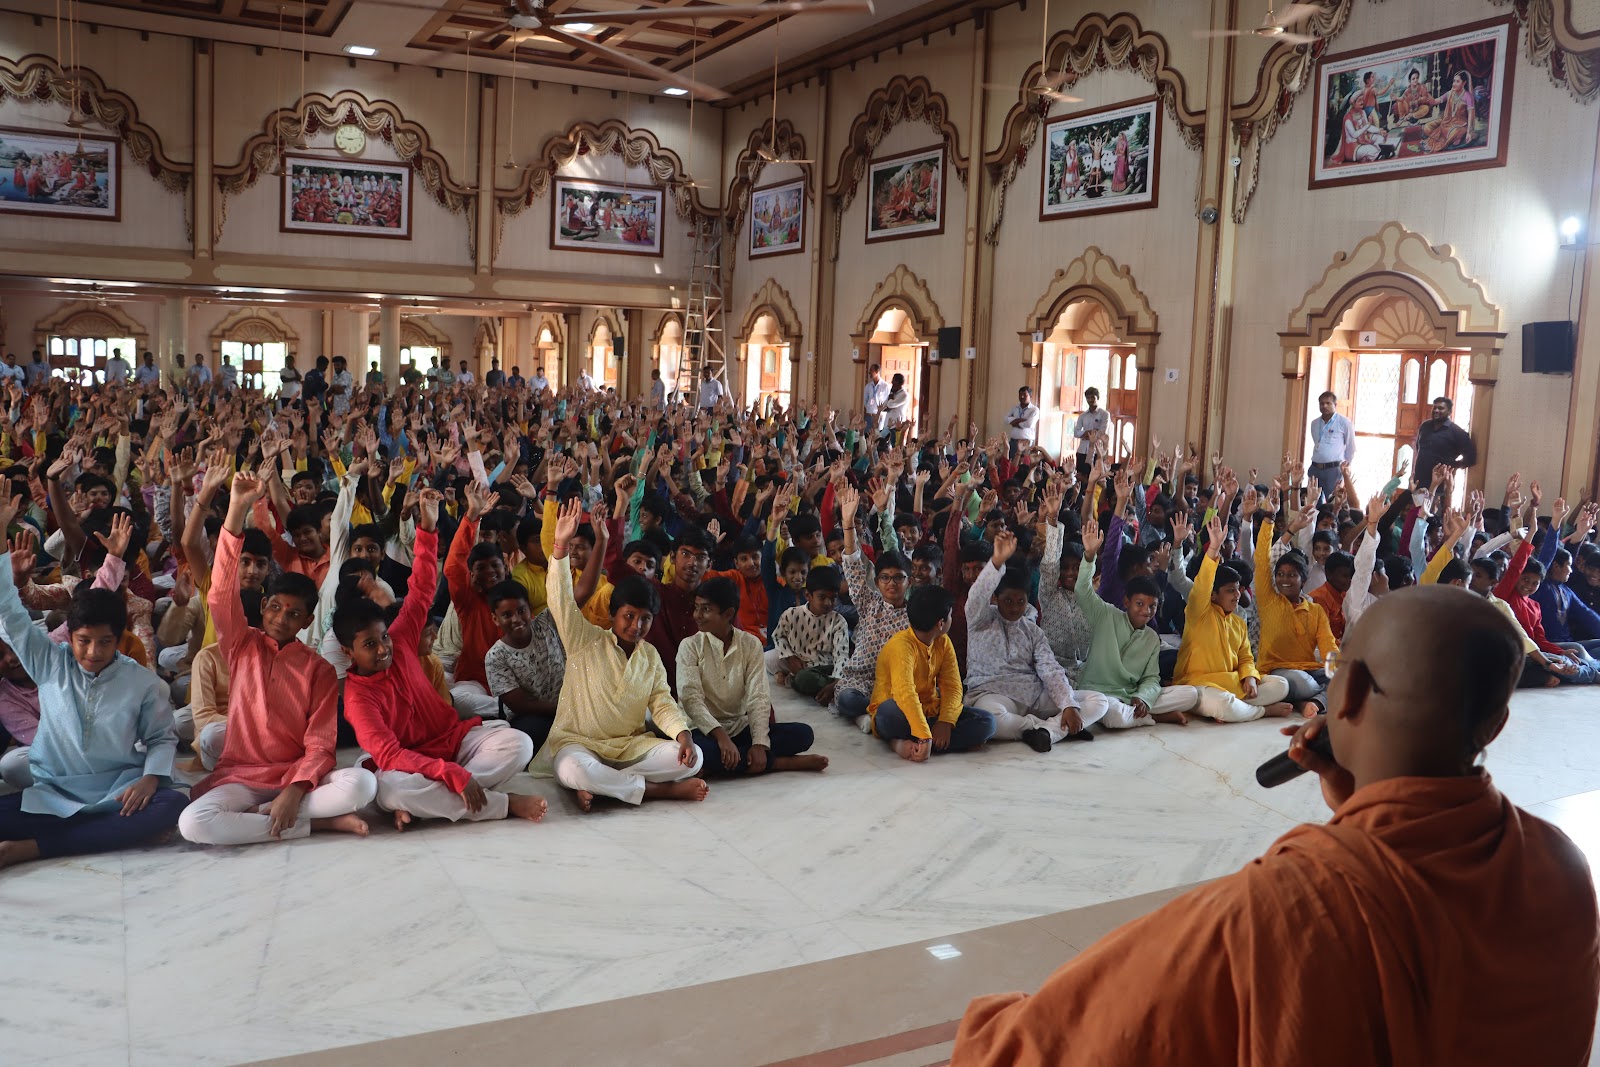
(905, 195)
(600, 217)
(60, 174)
(778, 219)
(1428, 105)
(1102, 160)
(345, 197)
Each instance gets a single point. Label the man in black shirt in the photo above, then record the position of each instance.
(1441, 441)
(315, 384)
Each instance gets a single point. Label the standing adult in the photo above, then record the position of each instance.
(711, 393)
(38, 372)
(494, 378)
(586, 383)
(658, 391)
(897, 408)
(315, 384)
(465, 375)
(199, 374)
(538, 383)
(874, 395)
(117, 368)
(1439, 440)
(1022, 422)
(1091, 422)
(1333, 444)
(290, 382)
(341, 386)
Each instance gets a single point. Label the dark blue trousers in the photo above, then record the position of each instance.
(103, 831)
(784, 738)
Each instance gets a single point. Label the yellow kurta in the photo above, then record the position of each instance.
(1294, 636)
(921, 679)
(598, 608)
(533, 578)
(1216, 646)
(606, 692)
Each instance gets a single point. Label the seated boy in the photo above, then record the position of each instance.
(1296, 637)
(472, 569)
(600, 743)
(526, 665)
(1216, 672)
(430, 763)
(722, 686)
(811, 641)
(917, 676)
(1012, 673)
(879, 593)
(89, 786)
(746, 575)
(1124, 659)
(276, 777)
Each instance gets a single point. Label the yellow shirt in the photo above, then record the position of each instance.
(919, 678)
(598, 607)
(1295, 636)
(533, 578)
(1216, 646)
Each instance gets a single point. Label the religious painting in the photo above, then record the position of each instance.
(1102, 160)
(67, 175)
(905, 195)
(1429, 105)
(600, 217)
(778, 219)
(346, 198)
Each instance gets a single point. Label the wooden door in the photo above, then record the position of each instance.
(770, 371)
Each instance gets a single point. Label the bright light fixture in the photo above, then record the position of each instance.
(1571, 226)
(360, 50)
(578, 27)
(674, 91)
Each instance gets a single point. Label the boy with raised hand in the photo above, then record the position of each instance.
(916, 695)
(811, 641)
(526, 665)
(722, 685)
(92, 788)
(470, 570)
(276, 777)
(600, 744)
(879, 594)
(430, 763)
(1123, 665)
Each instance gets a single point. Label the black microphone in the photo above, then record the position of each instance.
(1280, 768)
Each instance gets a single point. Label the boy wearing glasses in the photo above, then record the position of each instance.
(880, 601)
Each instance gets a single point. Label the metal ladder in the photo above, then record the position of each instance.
(705, 318)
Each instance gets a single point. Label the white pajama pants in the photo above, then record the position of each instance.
(1221, 705)
(14, 769)
(1011, 718)
(773, 661)
(1120, 715)
(239, 814)
(578, 768)
(491, 752)
(208, 745)
(171, 658)
(472, 698)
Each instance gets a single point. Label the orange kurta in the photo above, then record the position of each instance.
(1428, 922)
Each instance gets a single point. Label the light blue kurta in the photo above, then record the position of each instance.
(84, 754)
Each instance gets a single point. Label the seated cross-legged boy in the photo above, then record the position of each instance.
(526, 665)
(916, 697)
(1216, 672)
(1124, 661)
(722, 685)
(811, 641)
(100, 764)
(879, 594)
(600, 744)
(430, 763)
(1011, 671)
(276, 777)
(1296, 637)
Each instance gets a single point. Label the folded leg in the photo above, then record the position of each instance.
(208, 745)
(582, 771)
(493, 752)
(14, 769)
(237, 814)
(83, 834)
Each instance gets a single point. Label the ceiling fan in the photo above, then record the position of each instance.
(1275, 27)
(574, 29)
(764, 152)
(1050, 84)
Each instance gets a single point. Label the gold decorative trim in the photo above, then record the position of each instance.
(748, 167)
(638, 148)
(254, 324)
(1572, 59)
(1096, 276)
(775, 300)
(414, 332)
(905, 288)
(902, 100)
(83, 318)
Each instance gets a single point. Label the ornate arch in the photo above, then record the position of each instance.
(557, 325)
(638, 148)
(1095, 43)
(903, 289)
(613, 323)
(1571, 54)
(773, 299)
(786, 144)
(416, 333)
(902, 100)
(251, 325)
(85, 318)
(661, 327)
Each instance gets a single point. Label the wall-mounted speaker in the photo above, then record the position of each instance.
(950, 342)
(1549, 347)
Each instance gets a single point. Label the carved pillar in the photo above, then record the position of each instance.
(1580, 471)
(977, 280)
(576, 353)
(634, 374)
(388, 342)
(174, 330)
(485, 175)
(203, 187)
(820, 317)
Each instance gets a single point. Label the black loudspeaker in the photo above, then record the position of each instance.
(1549, 347)
(619, 346)
(950, 342)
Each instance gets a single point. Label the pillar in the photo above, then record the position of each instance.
(203, 186)
(977, 286)
(388, 343)
(574, 354)
(485, 176)
(174, 333)
(634, 374)
(815, 386)
(1580, 470)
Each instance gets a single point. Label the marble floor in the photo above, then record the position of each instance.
(180, 955)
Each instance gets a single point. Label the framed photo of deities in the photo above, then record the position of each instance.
(601, 217)
(778, 219)
(905, 195)
(1429, 105)
(345, 197)
(1102, 160)
(61, 174)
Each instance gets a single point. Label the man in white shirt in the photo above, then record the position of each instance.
(38, 372)
(658, 391)
(711, 392)
(9, 371)
(1333, 443)
(466, 377)
(199, 374)
(117, 368)
(586, 382)
(874, 396)
(229, 374)
(147, 374)
(539, 381)
(1093, 420)
(1023, 422)
(341, 385)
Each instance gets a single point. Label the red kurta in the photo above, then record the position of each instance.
(478, 631)
(398, 716)
(672, 624)
(283, 702)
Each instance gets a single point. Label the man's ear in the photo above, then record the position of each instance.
(1355, 685)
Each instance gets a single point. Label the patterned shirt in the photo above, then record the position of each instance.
(1011, 659)
(1062, 618)
(816, 640)
(536, 670)
(876, 622)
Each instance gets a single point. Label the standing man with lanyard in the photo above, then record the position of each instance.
(875, 396)
(1091, 422)
(1333, 445)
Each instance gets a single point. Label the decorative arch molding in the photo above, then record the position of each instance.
(787, 144)
(773, 299)
(35, 78)
(557, 325)
(1569, 53)
(416, 333)
(84, 318)
(612, 322)
(902, 289)
(638, 148)
(1397, 261)
(254, 325)
(902, 100)
(671, 318)
(379, 118)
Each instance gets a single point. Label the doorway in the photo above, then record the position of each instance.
(1083, 351)
(769, 372)
(896, 348)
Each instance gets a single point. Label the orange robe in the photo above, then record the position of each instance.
(1428, 922)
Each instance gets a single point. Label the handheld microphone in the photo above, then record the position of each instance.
(1280, 768)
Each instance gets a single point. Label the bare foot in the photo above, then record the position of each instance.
(1281, 710)
(1551, 682)
(1309, 710)
(1175, 718)
(345, 824)
(690, 789)
(800, 763)
(911, 749)
(585, 799)
(402, 819)
(523, 806)
(15, 852)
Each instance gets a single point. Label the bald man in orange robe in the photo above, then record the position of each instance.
(1428, 922)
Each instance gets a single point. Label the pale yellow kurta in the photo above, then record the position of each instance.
(606, 692)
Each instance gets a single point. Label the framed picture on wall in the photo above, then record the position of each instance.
(1102, 160)
(1424, 106)
(344, 197)
(778, 219)
(905, 195)
(60, 174)
(601, 217)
